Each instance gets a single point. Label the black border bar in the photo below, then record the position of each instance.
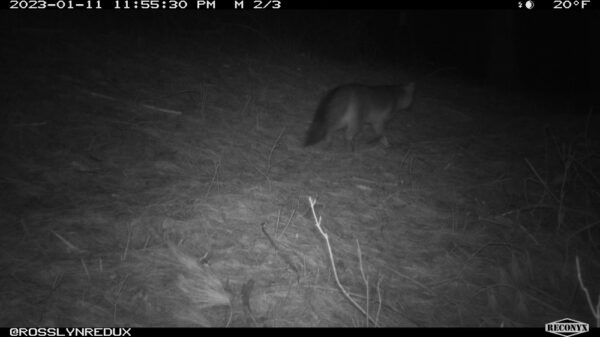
(257, 5)
(195, 332)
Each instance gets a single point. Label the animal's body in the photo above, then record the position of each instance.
(350, 106)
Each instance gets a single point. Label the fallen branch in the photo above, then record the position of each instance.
(331, 260)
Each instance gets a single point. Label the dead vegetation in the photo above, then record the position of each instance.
(147, 186)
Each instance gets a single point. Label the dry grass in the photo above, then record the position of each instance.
(145, 209)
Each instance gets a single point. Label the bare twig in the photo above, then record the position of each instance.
(595, 311)
(85, 268)
(561, 204)
(129, 234)
(365, 280)
(271, 152)
(542, 181)
(159, 109)
(277, 223)
(70, 247)
(331, 260)
(379, 299)
(288, 223)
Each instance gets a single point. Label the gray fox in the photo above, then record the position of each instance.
(352, 105)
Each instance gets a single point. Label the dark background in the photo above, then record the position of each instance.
(542, 53)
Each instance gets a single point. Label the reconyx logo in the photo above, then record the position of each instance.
(567, 327)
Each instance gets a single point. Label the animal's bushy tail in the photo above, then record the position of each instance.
(316, 132)
(318, 128)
